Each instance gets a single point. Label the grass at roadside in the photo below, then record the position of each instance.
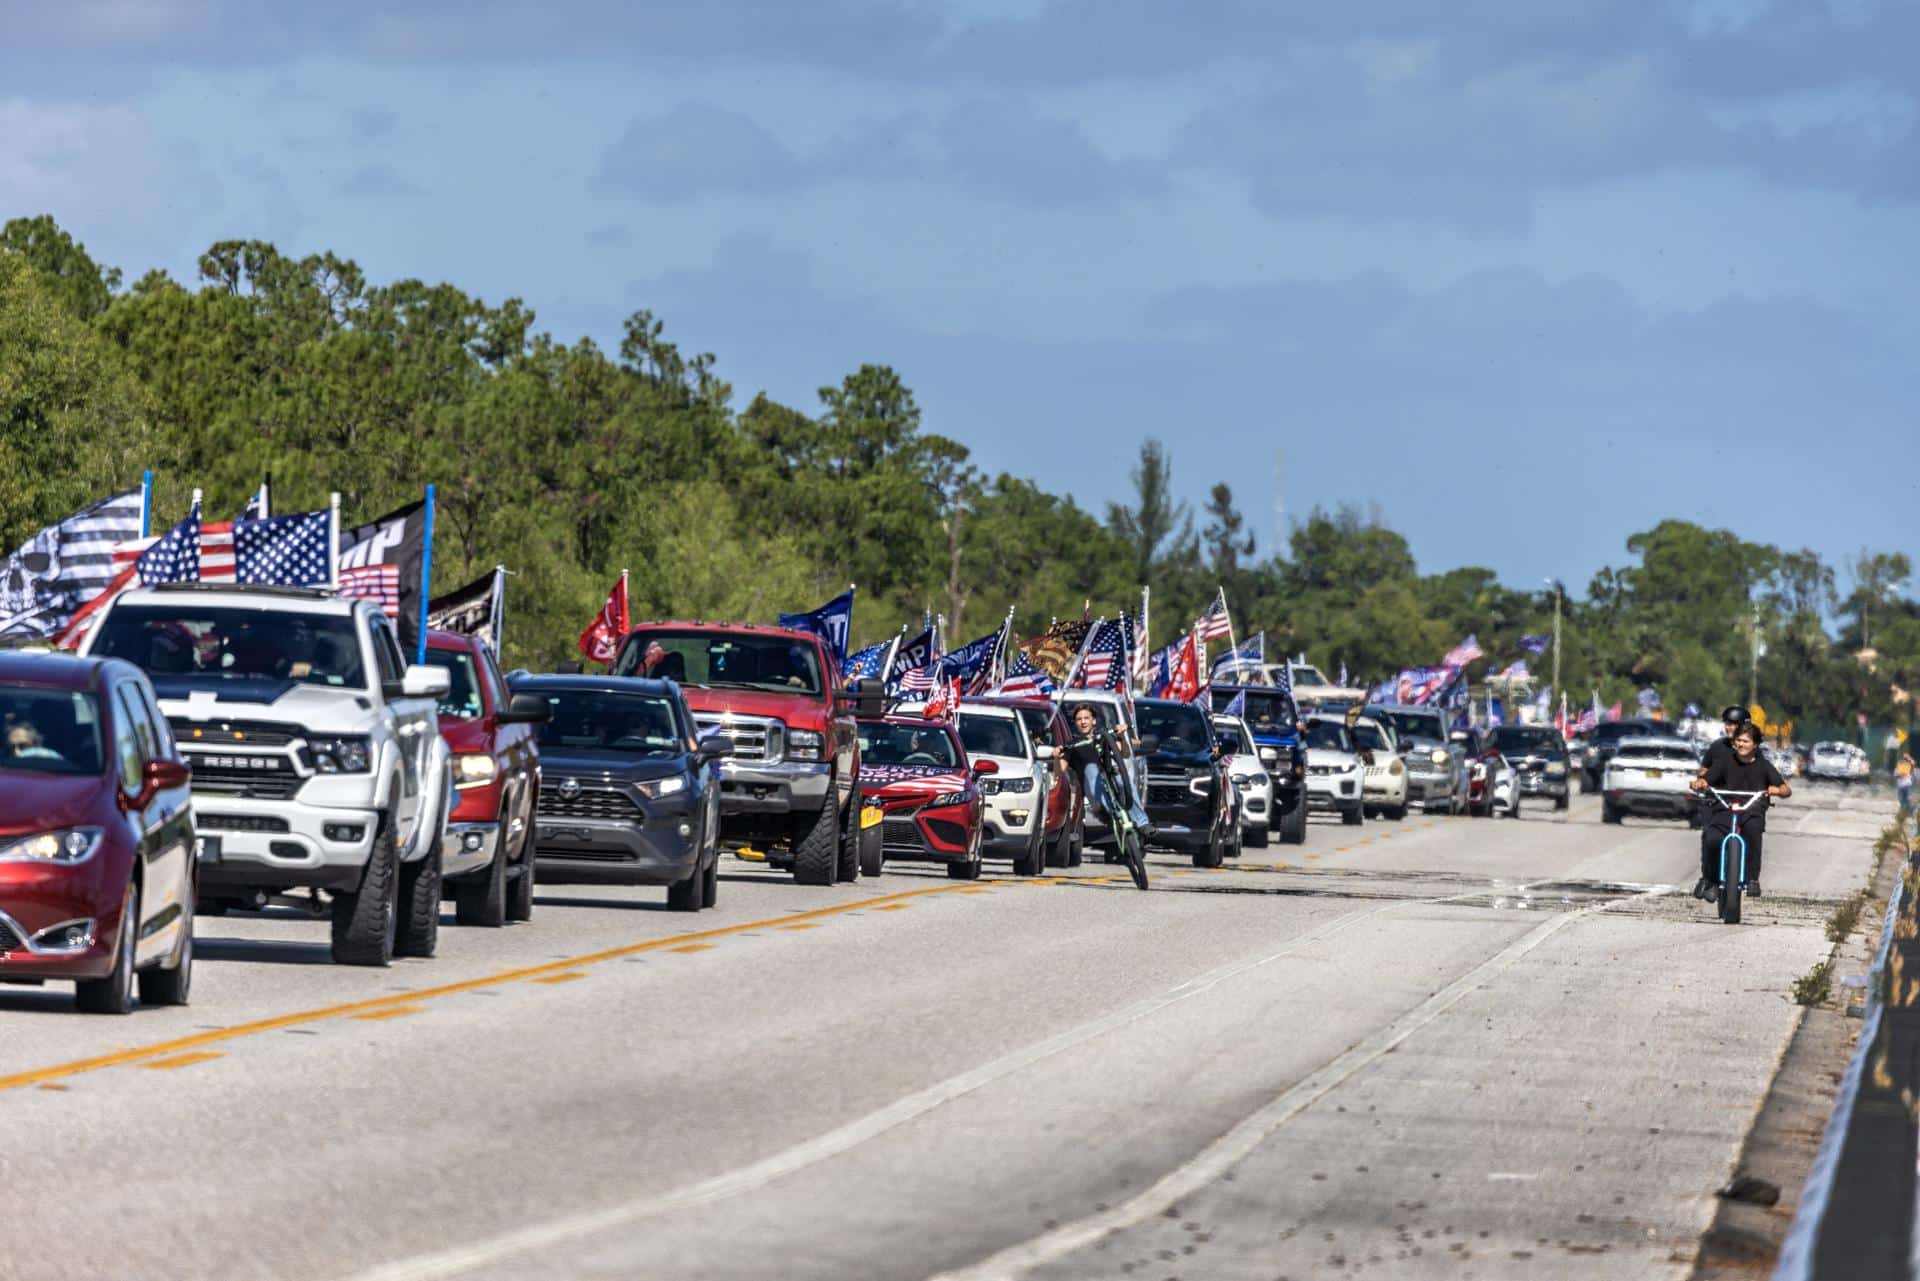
(1815, 986)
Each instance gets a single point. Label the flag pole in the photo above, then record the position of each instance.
(498, 620)
(146, 503)
(426, 576)
(1233, 643)
(333, 538)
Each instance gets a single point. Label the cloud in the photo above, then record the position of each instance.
(1301, 313)
(697, 150)
(1002, 147)
(370, 123)
(376, 180)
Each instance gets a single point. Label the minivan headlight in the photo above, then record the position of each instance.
(66, 847)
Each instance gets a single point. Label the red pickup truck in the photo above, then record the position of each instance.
(793, 776)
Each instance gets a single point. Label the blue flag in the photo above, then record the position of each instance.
(1535, 644)
(865, 664)
(830, 623)
(969, 663)
(1236, 707)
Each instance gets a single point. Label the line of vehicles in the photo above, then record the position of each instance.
(214, 748)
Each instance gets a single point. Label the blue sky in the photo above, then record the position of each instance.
(1525, 277)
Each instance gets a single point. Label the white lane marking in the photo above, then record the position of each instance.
(1227, 1151)
(466, 1258)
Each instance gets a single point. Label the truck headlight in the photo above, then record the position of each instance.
(67, 846)
(806, 745)
(474, 769)
(1556, 769)
(340, 755)
(1269, 755)
(1438, 756)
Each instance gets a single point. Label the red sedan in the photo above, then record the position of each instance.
(97, 860)
(918, 800)
(495, 758)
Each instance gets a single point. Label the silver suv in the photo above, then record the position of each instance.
(315, 749)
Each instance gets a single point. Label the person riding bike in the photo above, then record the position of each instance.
(1742, 769)
(1095, 754)
(1731, 720)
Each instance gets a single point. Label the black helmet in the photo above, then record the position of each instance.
(1734, 715)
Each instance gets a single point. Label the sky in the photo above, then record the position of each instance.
(1520, 277)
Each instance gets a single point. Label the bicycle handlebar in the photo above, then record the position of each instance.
(1745, 805)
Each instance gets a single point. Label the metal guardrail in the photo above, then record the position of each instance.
(1856, 1217)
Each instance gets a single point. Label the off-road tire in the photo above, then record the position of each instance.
(848, 870)
(1293, 824)
(173, 984)
(114, 993)
(419, 929)
(1397, 813)
(481, 899)
(816, 849)
(366, 921)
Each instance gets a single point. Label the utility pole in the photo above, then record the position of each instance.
(1753, 658)
(1554, 694)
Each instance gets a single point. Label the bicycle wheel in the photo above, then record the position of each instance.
(1733, 865)
(1136, 859)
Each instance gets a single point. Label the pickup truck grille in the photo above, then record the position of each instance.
(1166, 790)
(755, 738)
(255, 733)
(260, 778)
(589, 802)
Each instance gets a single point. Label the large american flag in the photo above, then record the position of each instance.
(1463, 653)
(1024, 680)
(62, 567)
(1216, 623)
(1102, 664)
(216, 553)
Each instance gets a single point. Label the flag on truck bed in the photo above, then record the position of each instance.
(380, 561)
(287, 551)
(64, 566)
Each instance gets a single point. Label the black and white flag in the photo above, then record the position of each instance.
(381, 562)
(474, 610)
(63, 567)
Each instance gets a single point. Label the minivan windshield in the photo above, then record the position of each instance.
(208, 645)
(49, 731)
(736, 660)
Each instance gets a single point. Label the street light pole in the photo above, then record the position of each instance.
(1553, 693)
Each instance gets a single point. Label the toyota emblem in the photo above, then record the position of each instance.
(570, 788)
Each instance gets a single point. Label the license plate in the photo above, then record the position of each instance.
(206, 849)
(870, 816)
(1653, 773)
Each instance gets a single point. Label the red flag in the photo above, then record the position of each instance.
(601, 640)
(1613, 713)
(1185, 684)
(944, 703)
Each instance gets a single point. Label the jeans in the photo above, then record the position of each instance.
(1903, 788)
(1094, 792)
(1719, 823)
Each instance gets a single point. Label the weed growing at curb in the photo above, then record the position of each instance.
(1815, 986)
(1844, 918)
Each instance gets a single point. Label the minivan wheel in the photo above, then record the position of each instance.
(114, 993)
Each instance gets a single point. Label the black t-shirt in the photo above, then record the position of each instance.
(1730, 775)
(1082, 752)
(1722, 747)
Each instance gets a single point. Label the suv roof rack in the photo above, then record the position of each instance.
(263, 589)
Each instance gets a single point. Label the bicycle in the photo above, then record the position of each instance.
(1733, 849)
(1126, 837)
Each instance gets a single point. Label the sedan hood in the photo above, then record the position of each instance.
(32, 802)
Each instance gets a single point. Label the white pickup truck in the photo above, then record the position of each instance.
(315, 749)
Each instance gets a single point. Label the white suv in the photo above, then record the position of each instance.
(315, 749)
(1014, 789)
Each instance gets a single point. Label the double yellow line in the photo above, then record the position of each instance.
(379, 1004)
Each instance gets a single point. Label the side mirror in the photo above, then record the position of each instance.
(1149, 744)
(425, 681)
(1043, 751)
(526, 709)
(866, 699)
(986, 767)
(714, 746)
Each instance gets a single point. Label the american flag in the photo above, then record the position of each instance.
(1024, 680)
(216, 553)
(174, 557)
(1137, 654)
(62, 567)
(1101, 664)
(864, 664)
(1250, 659)
(1216, 623)
(1463, 653)
(289, 551)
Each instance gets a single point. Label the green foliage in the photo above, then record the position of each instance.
(567, 463)
(1815, 986)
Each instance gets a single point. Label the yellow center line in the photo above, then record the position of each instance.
(801, 925)
(568, 977)
(894, 907)
(690, 947)
(397, 1012)
(181, 1060)
(215, 1036)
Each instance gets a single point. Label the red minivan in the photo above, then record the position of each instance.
(495, 759)
(97, 859)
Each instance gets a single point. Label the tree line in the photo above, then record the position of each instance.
(568, 463)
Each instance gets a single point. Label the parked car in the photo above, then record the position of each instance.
(1249, 778)
(1649, 776)
(629, 790)
(1271, 720)
(1188, 798)
(1113, 712)
(1437, 771)
(1384, 776)
(1014, 773)
(1334, 782)
(97, 870)
(1784, 759)
(1838, 763)
(1539, 754)
(1605, 740)
(790, 783)
(316, 757)
(487, 864)
(919, 800)
(1065, 835)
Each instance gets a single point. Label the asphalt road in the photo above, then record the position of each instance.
(1444, 1047)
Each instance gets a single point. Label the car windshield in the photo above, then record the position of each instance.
(1418, 725)
(1327, 736)
(209, 646)
(462, 701)
(50, 731)
(727, 659)
(1526, 738)
(1369, 737)
(1179, 728)
(1266, 711)
(985, 735)
(1304, 675)
(1039, 723)
(603, 720)
(1232, 741)
(887, 743)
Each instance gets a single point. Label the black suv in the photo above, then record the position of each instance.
(1188, 798)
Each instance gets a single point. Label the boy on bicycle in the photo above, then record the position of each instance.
(1741, 769)
(1095, 752)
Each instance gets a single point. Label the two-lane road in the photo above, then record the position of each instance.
(1443, 1047)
